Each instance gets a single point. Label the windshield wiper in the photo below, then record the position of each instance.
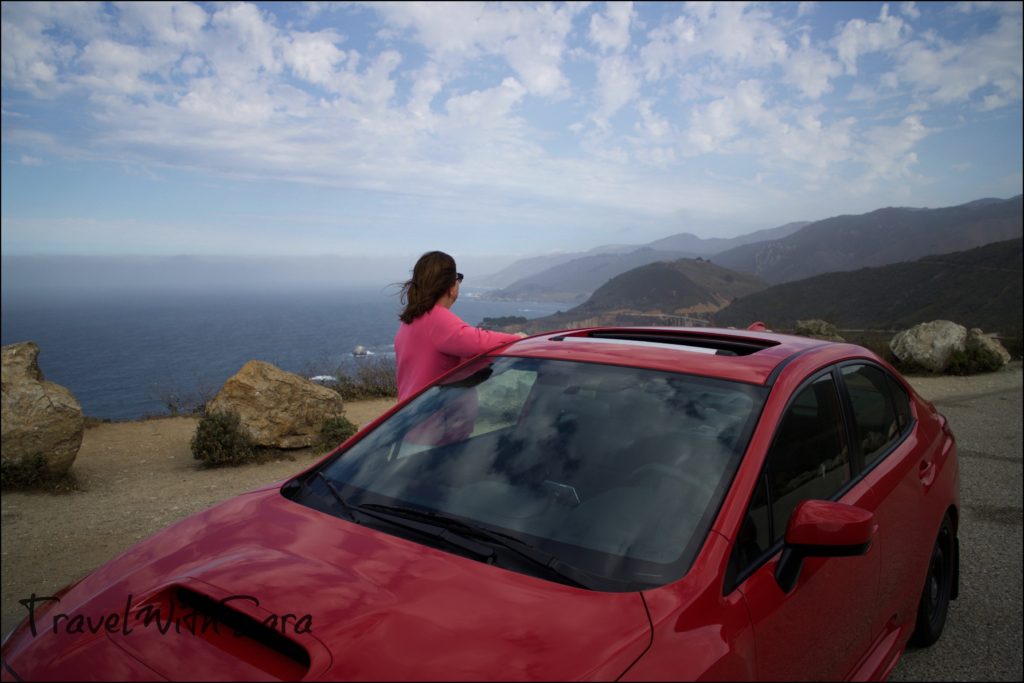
(568, 573)
(337, 496)
(478, 550)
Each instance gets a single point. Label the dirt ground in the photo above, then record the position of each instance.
(134, 478)
(137, 477)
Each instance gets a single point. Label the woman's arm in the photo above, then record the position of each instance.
(457, 338)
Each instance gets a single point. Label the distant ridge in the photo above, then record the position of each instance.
(685, 287)
(979, 287)
(699, 246)
(572, 278)
(891, 235)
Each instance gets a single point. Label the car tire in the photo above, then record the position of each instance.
(938, 588)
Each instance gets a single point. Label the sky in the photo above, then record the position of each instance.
(368, 133)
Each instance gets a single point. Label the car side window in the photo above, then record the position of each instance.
(754, 537)
(900, 400)
(876, 423)
(809, 458)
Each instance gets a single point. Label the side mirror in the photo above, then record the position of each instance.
(821, 528)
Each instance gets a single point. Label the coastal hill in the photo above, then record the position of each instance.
(655, 293)
(574, 277)
(575, 280)
(885, 236)
(979, 287)
(790, 252)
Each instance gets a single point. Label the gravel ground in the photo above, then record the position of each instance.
(135, 478)
(138, 477)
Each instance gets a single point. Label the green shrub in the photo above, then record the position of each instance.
(969, 362)
(220, 440)
(23, 473)
(31, 474)
(336, 430)
(373, 378)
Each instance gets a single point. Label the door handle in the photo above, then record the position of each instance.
(926, 472)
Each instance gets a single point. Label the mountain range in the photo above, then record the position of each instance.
(657, 293)
(884, 236)
(977, 287)
(572, 277)
(783, 254)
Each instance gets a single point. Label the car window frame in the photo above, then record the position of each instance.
(734, 575)
(857, 453)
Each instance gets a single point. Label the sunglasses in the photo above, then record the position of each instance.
(458, 277)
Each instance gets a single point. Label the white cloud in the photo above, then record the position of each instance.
(713, 126)
(737, 35)
(811, 70)
(651, 125)
(487, 107)
(179, 24)
(804, 9)
(116, 67)
(859, 37)
(241, 49)
(738, 32)
(887, 150)
(530, 36)
(427, 84)
(909, 9)
(946, 72)
(617, 85)
(313, 56)
(610, 29)
(468, 102)
(32, 58)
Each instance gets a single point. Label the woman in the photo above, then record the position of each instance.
(431, 339)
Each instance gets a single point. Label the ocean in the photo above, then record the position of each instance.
(123, 354)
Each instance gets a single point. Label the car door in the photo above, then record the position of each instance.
(893, 458)
(820, 629)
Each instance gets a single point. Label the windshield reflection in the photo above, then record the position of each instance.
(615, 470)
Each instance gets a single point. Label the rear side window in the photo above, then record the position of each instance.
(900, 401)
(876, 423)
(809, 458)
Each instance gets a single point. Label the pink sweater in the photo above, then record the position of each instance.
(436, 342)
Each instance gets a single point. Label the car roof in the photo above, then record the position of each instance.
(738, 355)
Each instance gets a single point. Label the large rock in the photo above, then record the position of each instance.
(42, 421)
(818, 329)
(988, 350)
(278, 409)
(929, 345)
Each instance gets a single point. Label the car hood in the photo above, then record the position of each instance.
(260, 587)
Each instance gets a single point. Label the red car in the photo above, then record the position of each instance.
(628, 504)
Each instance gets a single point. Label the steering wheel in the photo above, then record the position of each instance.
(679, 474)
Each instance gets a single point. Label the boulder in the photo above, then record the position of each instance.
(929, 345)
(818, 329)
(41, 420)
(278, 409)
(989, 351)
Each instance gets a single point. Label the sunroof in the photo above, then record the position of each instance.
(637, 342)
(699, 343)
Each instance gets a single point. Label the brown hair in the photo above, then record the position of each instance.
(432, 276)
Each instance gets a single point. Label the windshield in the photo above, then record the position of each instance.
(615, 472)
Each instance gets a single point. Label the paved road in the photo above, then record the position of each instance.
(983, 635)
